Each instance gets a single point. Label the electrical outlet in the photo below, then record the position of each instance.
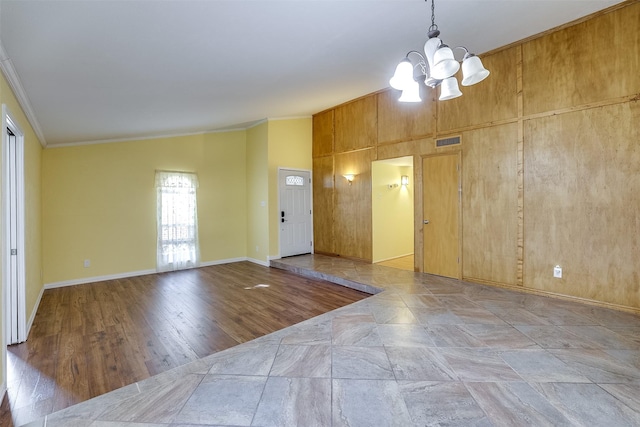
(87, 263)
(257, 248)
(557, 272)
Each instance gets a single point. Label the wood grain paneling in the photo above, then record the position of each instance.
(490, 204)
(323, 133)
(561, 92)
(400, 149)
(520, 255)
(401, 121)
(355, 125)
(582, 203)
(323, 236)
(352, 212)
(493, 99)
(592, 61)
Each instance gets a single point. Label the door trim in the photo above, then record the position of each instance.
(458, 153)
(280, 202)
(8, 121)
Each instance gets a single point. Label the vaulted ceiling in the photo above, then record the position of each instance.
(96, 70)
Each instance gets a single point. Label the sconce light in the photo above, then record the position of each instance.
(404, 180)
(349, 178)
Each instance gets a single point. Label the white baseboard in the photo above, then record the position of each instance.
(97, 279)
(222, 261)
(140, 273)
(259, 262)
(32, 317)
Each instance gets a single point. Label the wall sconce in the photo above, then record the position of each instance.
(404, 180)
(349, 177)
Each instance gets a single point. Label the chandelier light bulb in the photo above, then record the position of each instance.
(473, 71)
(449, 89)
(411, 93)
(444, 63)
(403, 77)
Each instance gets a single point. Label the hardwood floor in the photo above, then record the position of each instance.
(89, 339)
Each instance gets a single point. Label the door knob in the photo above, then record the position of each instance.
(426, 221)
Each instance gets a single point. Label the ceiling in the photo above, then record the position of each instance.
(100, 70)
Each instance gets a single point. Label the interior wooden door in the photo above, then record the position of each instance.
(441, 209)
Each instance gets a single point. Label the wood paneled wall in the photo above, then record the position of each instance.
(550, 163)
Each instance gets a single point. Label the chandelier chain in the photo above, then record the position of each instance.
(433, 16)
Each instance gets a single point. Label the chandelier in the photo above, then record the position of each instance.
(437, 67)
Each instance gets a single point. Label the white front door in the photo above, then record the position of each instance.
(296, 236)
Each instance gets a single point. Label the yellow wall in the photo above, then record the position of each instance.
(290, 144)
(33, 191)
(257, 193)
(392, 211)
(99, 202)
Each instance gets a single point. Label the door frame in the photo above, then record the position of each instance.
(457, 153)
(8, 121)
(280, 169)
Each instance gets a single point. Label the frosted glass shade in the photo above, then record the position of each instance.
(403, 77)
(473, 71)
(411, 93)
(449, 89)
(430, 48)
(444, 63)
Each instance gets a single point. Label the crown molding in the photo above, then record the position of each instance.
(11, 75)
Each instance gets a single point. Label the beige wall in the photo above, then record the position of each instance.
(273, 144)
(289, 147)
(257, 193)
(392, 211)
(550, 163)
(99, 202)
(33, 223)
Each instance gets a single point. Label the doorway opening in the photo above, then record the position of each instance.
(392, 189)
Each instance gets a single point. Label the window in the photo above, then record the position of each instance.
(177, 220)
(294, 180)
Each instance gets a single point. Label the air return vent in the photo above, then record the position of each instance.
(448, 141)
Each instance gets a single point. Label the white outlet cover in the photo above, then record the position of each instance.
(557, 272)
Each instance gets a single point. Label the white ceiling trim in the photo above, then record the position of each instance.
(143, 138)
(14, 81)
(177, 135)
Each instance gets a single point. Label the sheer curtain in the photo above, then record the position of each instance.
(177, 221)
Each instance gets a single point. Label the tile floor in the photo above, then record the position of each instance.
(426, 351)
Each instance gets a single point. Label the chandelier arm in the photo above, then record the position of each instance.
(467, 54)
(417, 53)
(424, 66)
